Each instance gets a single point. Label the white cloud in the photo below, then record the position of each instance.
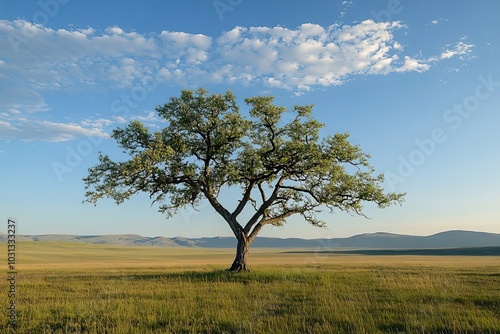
(36, 130)
(16, 97)
(345, 7)
(310, 55)
(115, 30)
(189, 48)
(37, 60)
(460, 49)
(413, 65)
(18, 127)
(6, 126)
(46, 60)
(434, 22)
(151, 116)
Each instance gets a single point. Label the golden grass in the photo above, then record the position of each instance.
(79, 288)
(32, 255)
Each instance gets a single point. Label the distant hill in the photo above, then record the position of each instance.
(449, 239)
(464, 251)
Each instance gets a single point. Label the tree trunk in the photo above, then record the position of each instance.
(240, 262)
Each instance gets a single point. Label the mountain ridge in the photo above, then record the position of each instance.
(378, 240)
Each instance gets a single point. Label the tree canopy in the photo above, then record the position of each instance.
(283, 168)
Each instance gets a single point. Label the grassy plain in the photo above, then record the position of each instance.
(79, 288)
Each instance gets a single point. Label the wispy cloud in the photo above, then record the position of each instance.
(346, 4)
(298, 59)
(35, 130)
(434, 22)
(461, 49)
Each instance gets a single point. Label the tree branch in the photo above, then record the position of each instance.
(256, 231)
(233, 224)
(264, 206)
(264, 222)
(307, 191)
(283, 216)
(244, 200)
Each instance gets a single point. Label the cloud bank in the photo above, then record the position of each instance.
(37, 60)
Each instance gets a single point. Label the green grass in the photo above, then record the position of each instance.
(284, 293)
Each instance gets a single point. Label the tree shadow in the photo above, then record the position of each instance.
(214, 276)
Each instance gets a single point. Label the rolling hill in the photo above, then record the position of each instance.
(448, 239)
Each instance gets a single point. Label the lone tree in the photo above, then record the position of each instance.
(283, 169)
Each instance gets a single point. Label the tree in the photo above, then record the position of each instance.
(283, 169)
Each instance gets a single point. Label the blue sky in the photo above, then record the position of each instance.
(416, 84)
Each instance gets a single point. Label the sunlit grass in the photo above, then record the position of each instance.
(282, 294)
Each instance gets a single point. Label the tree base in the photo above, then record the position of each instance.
(240, 262)
(237, 267)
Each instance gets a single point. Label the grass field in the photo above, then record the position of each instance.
(79, 288)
